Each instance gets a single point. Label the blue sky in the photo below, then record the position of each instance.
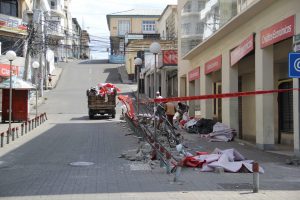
(92, 15)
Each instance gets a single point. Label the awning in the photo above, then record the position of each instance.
(17, 83)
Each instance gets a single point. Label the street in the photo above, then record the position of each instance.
(40, 167)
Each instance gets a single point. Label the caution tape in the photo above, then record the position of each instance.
(224, 95)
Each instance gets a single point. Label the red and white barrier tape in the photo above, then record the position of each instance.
(224, 95)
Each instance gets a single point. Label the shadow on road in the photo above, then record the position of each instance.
(97, 117)
(113, 75)
(94, 62)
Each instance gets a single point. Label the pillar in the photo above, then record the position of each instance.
(264, 80)
(146, 85)
(230, 106)
(164, 81)
(296, 102)
(182, 82)
(206, 87)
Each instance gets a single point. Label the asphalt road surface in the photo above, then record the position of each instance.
(38, 165)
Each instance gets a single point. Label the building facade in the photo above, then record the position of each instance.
(84, 45)
(76, 38)
(134, 22)
(247, 51)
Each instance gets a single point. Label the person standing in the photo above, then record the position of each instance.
(170, 111)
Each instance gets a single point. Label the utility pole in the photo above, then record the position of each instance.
(45, 51)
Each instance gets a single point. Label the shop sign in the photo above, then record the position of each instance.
(170, 57)
(242, 50)
(213, 65)
(5, 70)
(194, 74)
(12, 24)
(294, 65)
(279, 31)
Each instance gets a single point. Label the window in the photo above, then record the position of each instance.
(200, 28)
(201, 5)
(9, 7)
(187, 7)
(124, 27)
(148, 26)
(53, 4)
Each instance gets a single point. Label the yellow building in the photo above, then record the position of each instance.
(130, 25)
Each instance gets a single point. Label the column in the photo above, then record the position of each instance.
(296, 102)
(264, 80)
(182, 81)
(164, 87)
(230, 106)
(146, 85)
(206, 87)
(296, 84)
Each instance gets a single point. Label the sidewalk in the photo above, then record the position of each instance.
(32, 101)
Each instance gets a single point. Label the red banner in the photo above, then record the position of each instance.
(5, 70)
(243, 49)
(277, 32)
(194, 74)
(224, 95)
(213, 65)
(170, 57)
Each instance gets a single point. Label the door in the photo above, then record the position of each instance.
(285, 109)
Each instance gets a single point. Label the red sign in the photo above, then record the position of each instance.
(213, 65)
(243, 49)
(5, 69)
(279, 31)
(170, 57)
(194, 74)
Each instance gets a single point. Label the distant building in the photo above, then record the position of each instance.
(13, 30)
(130, 25)
(76, 36)
(84, 45)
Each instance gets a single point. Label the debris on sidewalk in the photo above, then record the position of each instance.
(229, 160)
(221, 133)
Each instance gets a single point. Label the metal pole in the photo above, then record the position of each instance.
(36, 91)
(154, 85)
(138, 90)
(10, 98)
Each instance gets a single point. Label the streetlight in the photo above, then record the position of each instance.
(155, 49)
(10, 55)
(138, 62)
(36, 65)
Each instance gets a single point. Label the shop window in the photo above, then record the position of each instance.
(9, 7)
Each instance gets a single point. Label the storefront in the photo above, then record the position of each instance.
(213, 72)
(253, 49)
(193, 90)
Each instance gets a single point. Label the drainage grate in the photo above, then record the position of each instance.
(81, 164)
(236, 186)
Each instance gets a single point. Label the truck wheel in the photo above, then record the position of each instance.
(91, 115)
(113, 116)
